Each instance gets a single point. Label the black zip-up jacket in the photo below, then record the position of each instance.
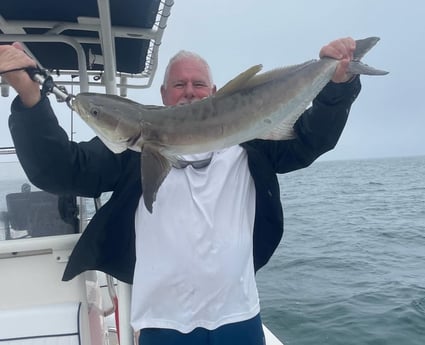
(57, 165)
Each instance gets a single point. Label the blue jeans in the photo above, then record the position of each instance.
(249, 332)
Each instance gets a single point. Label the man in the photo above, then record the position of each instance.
(192, 261)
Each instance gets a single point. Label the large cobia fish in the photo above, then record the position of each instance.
(250, 106)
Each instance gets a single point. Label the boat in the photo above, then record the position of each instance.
(108, 44)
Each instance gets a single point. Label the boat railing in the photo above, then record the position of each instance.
(35, 244)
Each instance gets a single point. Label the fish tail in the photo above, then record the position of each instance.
(362, 47)
(357, 67)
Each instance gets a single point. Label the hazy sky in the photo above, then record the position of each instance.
(388, 118)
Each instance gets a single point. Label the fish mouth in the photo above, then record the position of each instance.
(74, 105)
(79, 108)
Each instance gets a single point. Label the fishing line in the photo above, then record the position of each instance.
(47, 83)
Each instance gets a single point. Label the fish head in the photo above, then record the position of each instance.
(108, 116)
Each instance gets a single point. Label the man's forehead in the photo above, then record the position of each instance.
(189, 66)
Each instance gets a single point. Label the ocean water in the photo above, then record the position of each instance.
(351, 266)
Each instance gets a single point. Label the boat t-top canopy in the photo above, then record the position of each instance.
(109, 43)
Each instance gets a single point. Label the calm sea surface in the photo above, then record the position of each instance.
(351, 266)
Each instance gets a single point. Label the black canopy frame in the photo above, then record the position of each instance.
(109, 43)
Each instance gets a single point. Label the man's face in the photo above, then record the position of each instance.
(188, 80)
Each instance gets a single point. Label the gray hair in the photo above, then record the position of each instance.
(184, 54)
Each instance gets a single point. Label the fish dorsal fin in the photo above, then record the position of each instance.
(250, 78)
(155, 168)
(276, 73)
(239, 81)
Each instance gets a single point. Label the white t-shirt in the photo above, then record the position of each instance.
(194, 264)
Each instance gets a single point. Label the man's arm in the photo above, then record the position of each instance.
(49, 159)
(52, 162)
(319, 127)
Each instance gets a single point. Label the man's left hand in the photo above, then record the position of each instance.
(341, 49)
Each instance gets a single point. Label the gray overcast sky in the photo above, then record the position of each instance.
(388, 118)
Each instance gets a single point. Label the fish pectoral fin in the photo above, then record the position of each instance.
(155, 167)
(239, 81)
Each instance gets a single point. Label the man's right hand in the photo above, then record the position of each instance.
(14, 57)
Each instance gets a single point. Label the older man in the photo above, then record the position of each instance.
(192, 262)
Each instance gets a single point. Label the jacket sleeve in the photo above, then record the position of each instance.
(54, 163)
(317, 130)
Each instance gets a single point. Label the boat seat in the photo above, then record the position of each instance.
(41, 213)
(56, 324)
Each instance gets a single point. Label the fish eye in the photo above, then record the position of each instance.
(95, 112)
